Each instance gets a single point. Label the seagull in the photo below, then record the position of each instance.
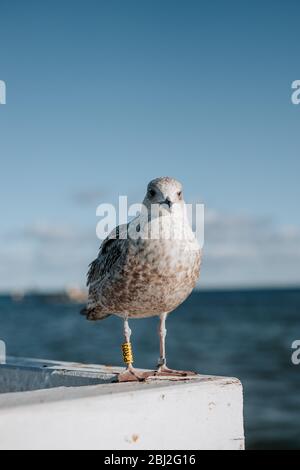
(146, 268)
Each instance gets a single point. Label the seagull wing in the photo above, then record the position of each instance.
(110, 253)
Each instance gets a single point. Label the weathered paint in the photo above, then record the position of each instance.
(205, 413)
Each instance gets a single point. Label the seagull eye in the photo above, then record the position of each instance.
(152, 192)
(179, 194)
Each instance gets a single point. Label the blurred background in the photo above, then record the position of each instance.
(101, 98)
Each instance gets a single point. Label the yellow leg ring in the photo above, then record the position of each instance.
(127, 353)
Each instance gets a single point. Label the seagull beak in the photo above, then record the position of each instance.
(167, 202)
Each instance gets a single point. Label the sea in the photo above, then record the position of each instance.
(240, 333)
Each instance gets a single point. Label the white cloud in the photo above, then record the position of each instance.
(249, 251)
(238, 251)
(90, 197)
(46, 256)
(46, 232)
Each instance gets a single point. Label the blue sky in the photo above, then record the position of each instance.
(104, 96)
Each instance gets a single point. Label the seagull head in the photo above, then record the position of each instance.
(166, 193)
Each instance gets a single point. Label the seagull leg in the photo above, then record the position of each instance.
(162, 341)
(130, 374)
(163, 370)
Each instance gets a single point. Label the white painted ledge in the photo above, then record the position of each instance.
(205, 413)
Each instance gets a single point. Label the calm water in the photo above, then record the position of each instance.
(246, 334)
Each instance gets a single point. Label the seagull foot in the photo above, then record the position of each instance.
(132, 375)
(165, 372)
